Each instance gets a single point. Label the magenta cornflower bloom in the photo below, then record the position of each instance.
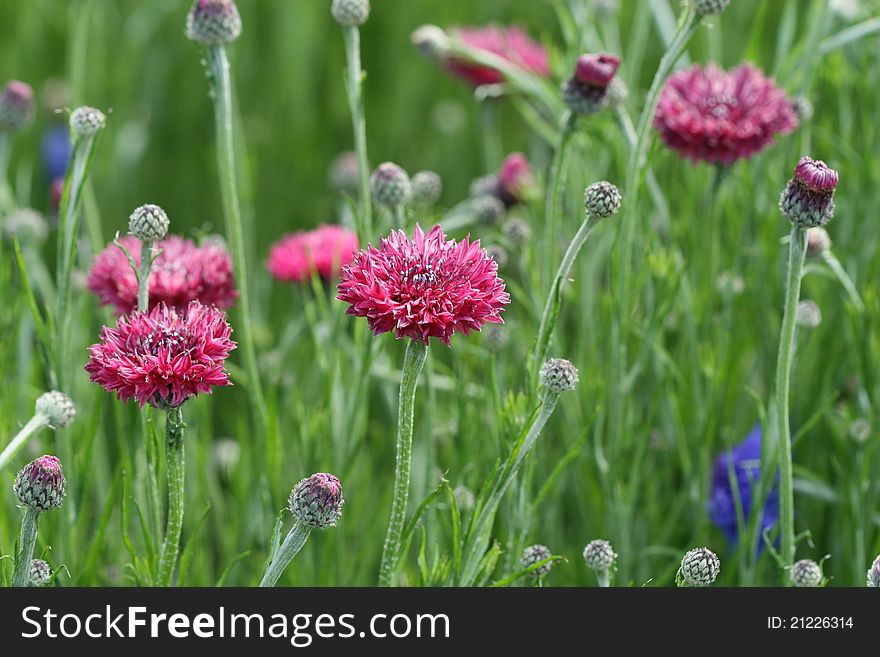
(511, 43)
(163, 357)
(182, 272)
(424, 288)
(324, 250)
(515, 179)
(717, 116)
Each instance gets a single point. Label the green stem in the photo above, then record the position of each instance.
(36, 423)
(478, 536)
(144, 276)
(6, 201)
(556, 182)
(635, 166)
(174, 458)
(353, 87)
(796, 253)
(68, 231)
(838, 270)
(397, 217)
(604, 578)
(413, 362)
(554, 298)
(26, 547)
(293, 543)
(222, 98)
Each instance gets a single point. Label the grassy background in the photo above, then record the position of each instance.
(706, 357)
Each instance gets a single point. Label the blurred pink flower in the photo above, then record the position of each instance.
(182, 272)
(424, 288)
(515, 179)
(511, 43)
(163, 357)
(719, 116)
(323, 250)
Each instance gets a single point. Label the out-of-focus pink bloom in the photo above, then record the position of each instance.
(182, 272)
(323, 250)
(55, 193)
(163, 357)
(597, 69)
(511, 43)
(515, 179)
(424, 288)
(719, 116)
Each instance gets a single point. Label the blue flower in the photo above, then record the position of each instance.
(56, 151)
(746, 460)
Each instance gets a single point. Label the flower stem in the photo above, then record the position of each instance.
(36, 423)
(222, 97)
(413, 362)
(6, 200)
(838, 270)
(293, 543)
(174, 458)
(144, 276)
(635, 166)
(796, 254)
(604, 578)
(26, 544)
(353, 87)
(554, 297)
(557, 182)
(397, 217)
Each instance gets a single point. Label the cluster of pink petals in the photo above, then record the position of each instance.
(511, 43)
(183, 272)
(815, 175)
(719, 116)
(324, 250)
(424, 288)
(164, 356)
(597, 69)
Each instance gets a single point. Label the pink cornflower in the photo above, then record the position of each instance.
(323, 250)
(511, 43)
(719, 116)
(183, 272)
(164, 356)
(515, 179)
(424, 288)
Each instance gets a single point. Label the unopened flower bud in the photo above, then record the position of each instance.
(484, 186)
(39, 574)
(874, 574)
(498, 253)
(16, 106)
(699, 567)
(317, 501)
(599, 555)
(808, 199)
(344, 172)
(27, 225)
(488, 209)
(818, 241)
(86, 121)
(558, 375)
(860, 430)
(431, 41)
(601, 199)
(803, 107)
(710, 7)
(350, 12)
(515, 179)
(517, 230)
(40, 484)
(808, 315)
(806, 573)
(496, 336)
(427, 187)
(148, 223)
(535, 554)
(390, 185)
(596, 69)
(58, 409)
(213, 22)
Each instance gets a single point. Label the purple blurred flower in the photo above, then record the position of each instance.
(746, 459)
(56, 149)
